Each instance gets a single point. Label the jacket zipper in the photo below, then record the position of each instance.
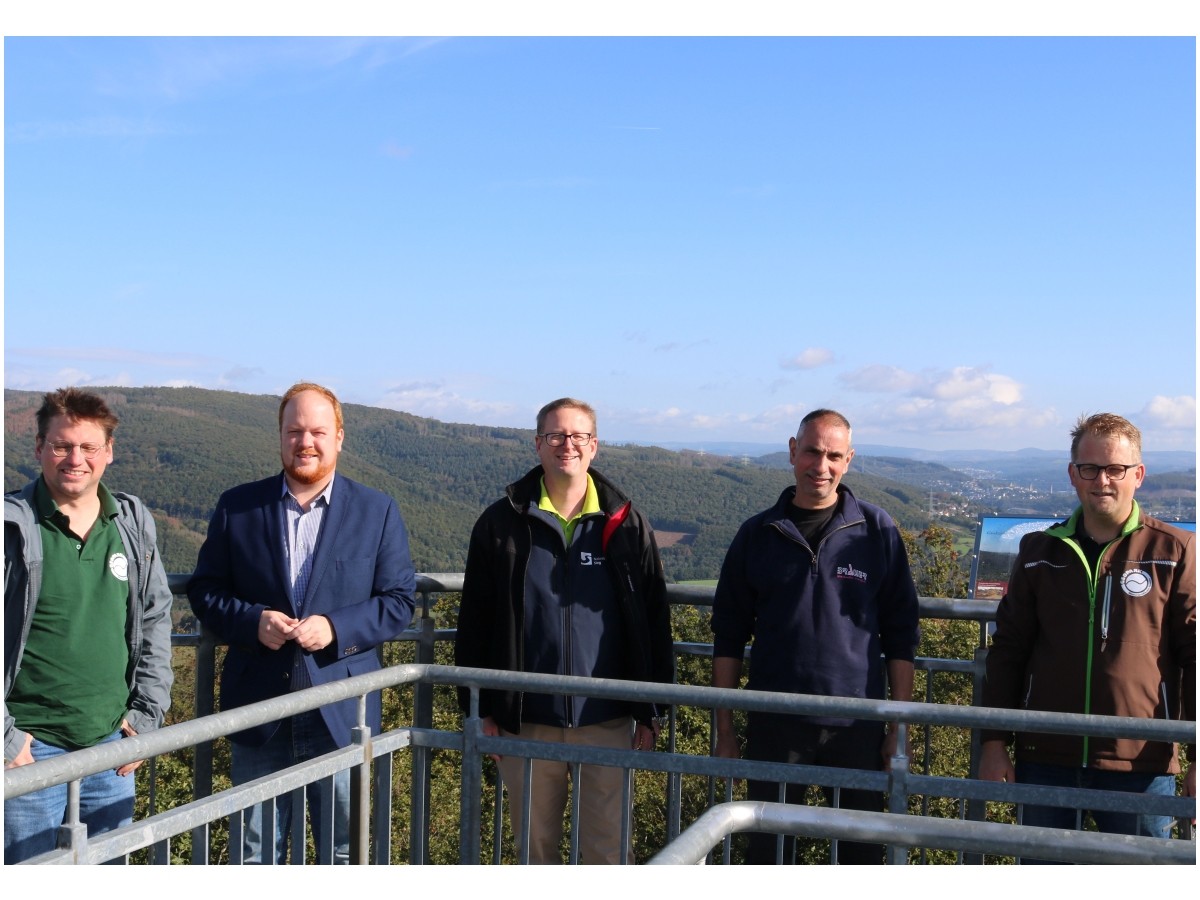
(566, 637)
(1104, 614)
(830, 534)
(821, 543)
(1093, 579)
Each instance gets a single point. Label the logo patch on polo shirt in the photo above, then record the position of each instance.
(119, 566)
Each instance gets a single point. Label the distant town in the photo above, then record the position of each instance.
(1022, 483)
(971, 492)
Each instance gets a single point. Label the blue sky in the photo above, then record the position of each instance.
(958, 242)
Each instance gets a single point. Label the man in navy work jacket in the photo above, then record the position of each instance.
(821, 583)
(304, 574)
(563, 578)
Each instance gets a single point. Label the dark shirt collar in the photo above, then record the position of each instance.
(46, 508)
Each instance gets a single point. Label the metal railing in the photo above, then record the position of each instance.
(376, 801)
(719, 822)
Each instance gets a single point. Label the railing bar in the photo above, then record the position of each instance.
(573, 853)
(426, 676)
(526, 795)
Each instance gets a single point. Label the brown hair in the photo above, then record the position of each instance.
(299, 388)
(1108, 425)
(77, 405)
(565, 403)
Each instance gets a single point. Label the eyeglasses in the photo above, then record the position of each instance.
(62, 449)
(1091, 471)
(557, 438)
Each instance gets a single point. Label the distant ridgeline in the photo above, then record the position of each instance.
(179, 448)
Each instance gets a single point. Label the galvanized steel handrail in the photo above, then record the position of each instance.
(70, 766)
(718, 822)
(473, 744)
(423, 675)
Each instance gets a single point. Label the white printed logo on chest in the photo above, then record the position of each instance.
(851, 572)
(1136, 583)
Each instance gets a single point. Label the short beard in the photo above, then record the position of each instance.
(310, 476)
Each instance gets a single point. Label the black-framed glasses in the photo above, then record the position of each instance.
(62, 449)
(557, 438)
(1091, 471)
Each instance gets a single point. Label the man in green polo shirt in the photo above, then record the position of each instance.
(87, 624)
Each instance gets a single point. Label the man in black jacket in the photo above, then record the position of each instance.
(563, 578)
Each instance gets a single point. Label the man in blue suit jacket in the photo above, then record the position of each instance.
(304, 574)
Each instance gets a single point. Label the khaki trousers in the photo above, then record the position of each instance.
(600, 789)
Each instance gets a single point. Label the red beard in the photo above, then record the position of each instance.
(310, 475)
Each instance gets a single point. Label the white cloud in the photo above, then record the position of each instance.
(240, 373)
(810, 358)
(111, 354)
(1173, 413)
(72, 377)
(178, 69)
(960, 384)
(432, 399)
(118, 127)
(881, 378)
(677, 419)
(785, 415)
(975, 385)
(121, 378)
(932, 401)
(672, 346)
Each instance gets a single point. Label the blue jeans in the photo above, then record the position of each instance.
(298, 739)
(1110, 822)
(31, 822)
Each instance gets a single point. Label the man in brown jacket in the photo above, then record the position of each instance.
(1100, 618)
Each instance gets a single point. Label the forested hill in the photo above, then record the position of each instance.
(179, 448)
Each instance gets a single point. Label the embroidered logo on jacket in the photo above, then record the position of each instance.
(1136, 583)
(851, 572)
(587, 559)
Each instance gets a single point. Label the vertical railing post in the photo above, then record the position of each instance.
(471, 789)
(360, 790)
(976, 810)
(674, 779)
(898, 790)
(202, 761)
(381, 813)
(420, 800)
(72, 833)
